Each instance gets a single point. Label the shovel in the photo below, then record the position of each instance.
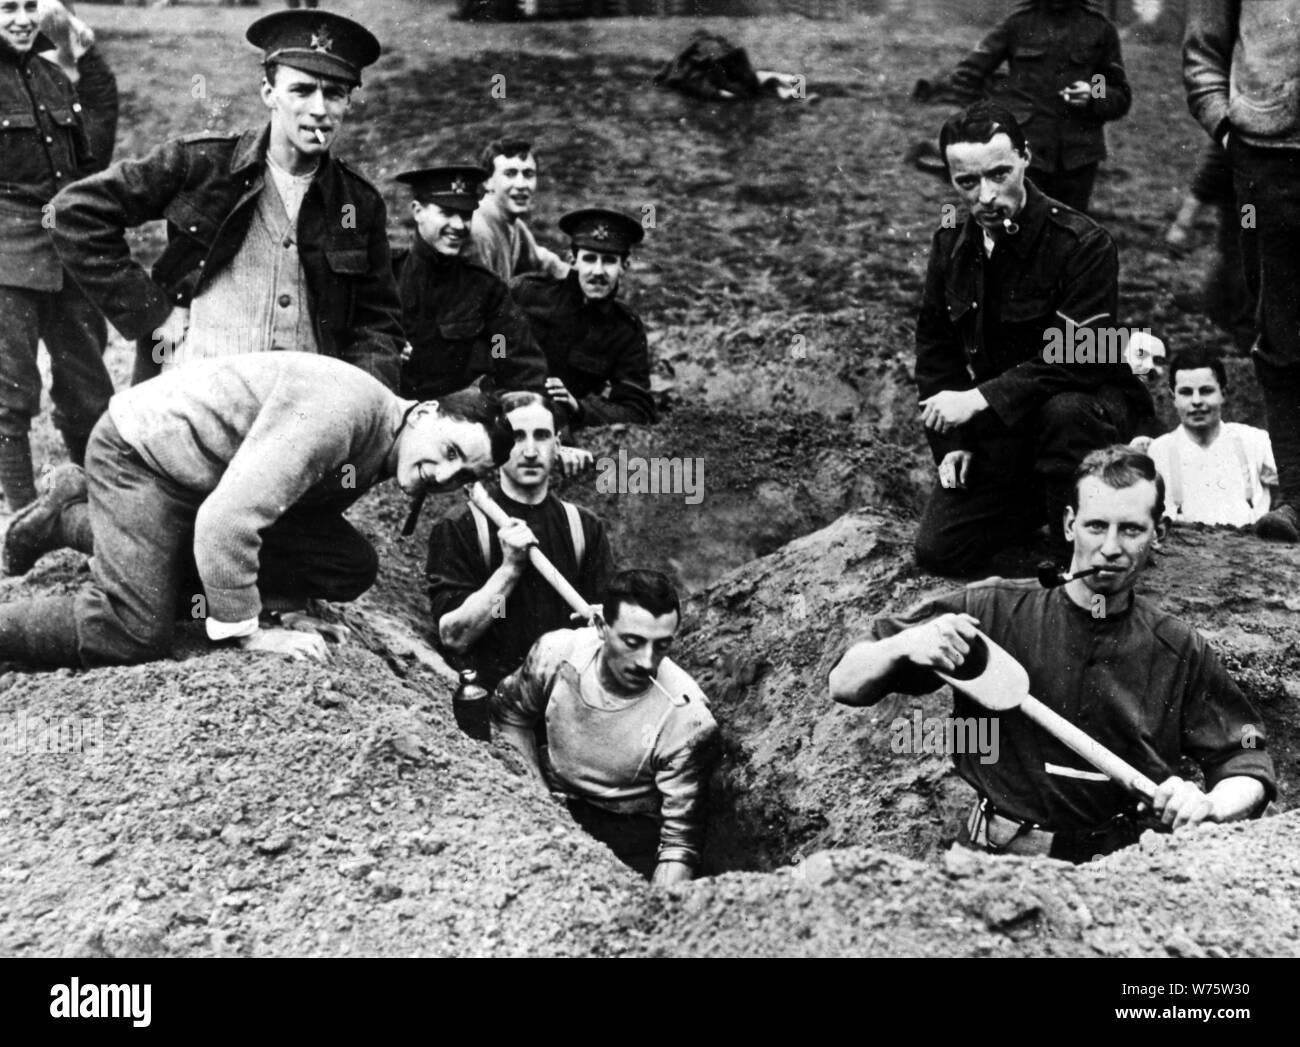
(483, 501)
(997, 681)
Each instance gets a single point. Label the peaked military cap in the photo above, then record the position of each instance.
(600, 229)
(319, 42)
(458, 186)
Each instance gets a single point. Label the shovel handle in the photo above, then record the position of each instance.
(476, 494)
(1089, 748)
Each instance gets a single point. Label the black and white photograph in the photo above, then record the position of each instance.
(650, 479)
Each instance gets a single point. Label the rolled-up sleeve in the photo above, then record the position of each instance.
(682, 778)
(1222, 730)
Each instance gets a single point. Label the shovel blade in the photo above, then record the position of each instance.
(989, 675)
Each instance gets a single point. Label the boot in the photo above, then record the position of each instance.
(41, 633)
(1279, 525)
(16, 470)
(38, 530)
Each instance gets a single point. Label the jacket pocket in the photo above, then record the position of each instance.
(460, 329)
(17, 122)
(187, 216)
(347, 261)
(958, 304)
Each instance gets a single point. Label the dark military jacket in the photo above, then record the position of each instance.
(462, 323)
(1045, 52)
(206, 187)
(43, 147)
(592, 346)
(987, 321)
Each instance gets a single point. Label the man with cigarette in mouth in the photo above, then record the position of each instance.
(272, 241)
(217, 491)
(1006, 424)
(596, 348)
(1143, 683)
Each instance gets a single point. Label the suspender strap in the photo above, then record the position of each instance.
(571, 514)
(1174, 489)
(484, 537)
(1239, 451)
(576, 533)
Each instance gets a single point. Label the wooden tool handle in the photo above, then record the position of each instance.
(545, 568)
(1089, 748)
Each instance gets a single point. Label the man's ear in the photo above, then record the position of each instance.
(266, 93)
(1162, 531)
(1069, 523)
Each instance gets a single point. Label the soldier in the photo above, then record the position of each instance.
(489, 605)
(220, 487)
(595, 346)
(1145, 684)
(631, 739)
(272, 241)
(1007, 417)
(500, 239)
(1065, 81)
(460, 319)
(43, 147)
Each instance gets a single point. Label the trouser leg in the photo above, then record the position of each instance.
(143, 530)
(961, 529)
(1072, 188)
(20, 390)
(314, 554)
(75, 333)
(1268, 187)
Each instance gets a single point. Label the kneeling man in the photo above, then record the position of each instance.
(219, 489)
(1143, 683)
(631, 738)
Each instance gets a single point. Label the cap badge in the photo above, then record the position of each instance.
(459, 186)
(322, 41)
(600, 232)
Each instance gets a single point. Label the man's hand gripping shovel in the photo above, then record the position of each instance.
(998, 682)
(589, 613)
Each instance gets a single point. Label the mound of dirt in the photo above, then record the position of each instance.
(802, 774)
(221, 805)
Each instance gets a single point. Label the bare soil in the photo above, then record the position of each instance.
(236, 806)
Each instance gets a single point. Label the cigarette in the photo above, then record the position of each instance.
(320, 135)
(1050, 576)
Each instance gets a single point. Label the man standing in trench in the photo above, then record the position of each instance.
(1144, 684)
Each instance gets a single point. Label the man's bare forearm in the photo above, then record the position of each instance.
(861, 676)
(1236, 798)
(525, 743)
(461, 628)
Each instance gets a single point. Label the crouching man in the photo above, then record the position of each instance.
(1141, 682)
(631, 738)
(217, 490)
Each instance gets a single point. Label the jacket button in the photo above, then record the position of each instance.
(202, 262)
(974, 305)
(58, 174)
(284, 301)
(41, 108)
(4, 123)
(194, 229)
(49, 140)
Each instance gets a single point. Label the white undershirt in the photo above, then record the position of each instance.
(291, 187)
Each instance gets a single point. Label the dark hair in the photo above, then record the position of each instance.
(649, 589)
(1194, 360)
(979, 123)
(272, 68)
(470, 405)
(526, 398)
(503, 147)
(1119, 466)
